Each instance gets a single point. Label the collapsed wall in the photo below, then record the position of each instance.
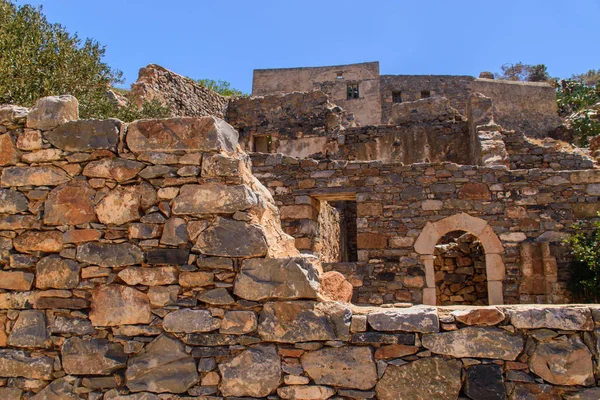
(182, 95)
(144, 261)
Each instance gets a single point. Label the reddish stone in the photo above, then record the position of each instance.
(335, 287)
(474, 191)
(46, 241)
(81, 235)
(371, 241)
(395, 351)
(70, 204)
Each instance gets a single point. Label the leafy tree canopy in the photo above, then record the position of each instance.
(39, 58)
(222, 87)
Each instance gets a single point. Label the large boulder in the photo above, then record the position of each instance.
(86, 135)
(424, 379)
(191, 134)
(162, 367)
(92, 356)
(563, 362)
(114, 305)
(348, 367)
(476, 343)
(277, 278)
(256, 372)
(49, 112)
(303, 321)
(120, 206)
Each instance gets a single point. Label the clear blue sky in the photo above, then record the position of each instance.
(226, 40)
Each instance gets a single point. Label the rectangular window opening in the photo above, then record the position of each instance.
(397, 97)
(352, 91)
(425, 94)
(262, 144)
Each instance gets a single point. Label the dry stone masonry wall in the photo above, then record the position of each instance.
(146, 262)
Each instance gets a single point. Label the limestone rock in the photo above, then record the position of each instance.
(563, 362)
(308, 392)
(49, 112)
(33, 176)
(163, 366)
(54, 272)
(238, 322)
(562, 318)
(191, 134)
(335, 287)
(120, 206)
(119, 305)
(70, 204)
(149, 276)
(229, 238)
(213, 198)
(9, 154)
(59, 389)
(109, 255)
(16, 280)
(17, 363)
(195, 279)
(255, 372)
(44, 241)
(190, 321)
(303, 321)
(485, 382)
(86, 135)
(277, 278)
(92, 356)
(424, 379)
(414, 319)
(119, 169)
(476, 343)
(479, 316)
(12, 202)
(161, 296)
(30, 330)
(348, 367)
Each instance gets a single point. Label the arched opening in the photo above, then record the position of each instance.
(433, 232)
(460, 270)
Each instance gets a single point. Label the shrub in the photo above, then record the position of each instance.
(585, 249)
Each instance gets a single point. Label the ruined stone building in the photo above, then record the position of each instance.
(296, 245)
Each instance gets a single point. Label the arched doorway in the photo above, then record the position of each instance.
(434, 231)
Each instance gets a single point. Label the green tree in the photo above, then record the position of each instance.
(222, 87)
(39, 58)
(590, 78)
(585, 250)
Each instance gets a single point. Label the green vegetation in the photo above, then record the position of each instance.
(222, 87)
(524, 72)
(38, 58)
(585, 249)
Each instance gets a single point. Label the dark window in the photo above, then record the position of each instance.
(352, 91)
(397, 97)
(262, 144)
(425, 94)
(340, 75)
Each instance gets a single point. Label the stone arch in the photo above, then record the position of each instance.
(494, 265)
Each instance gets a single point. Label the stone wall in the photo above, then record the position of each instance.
(454, 88)
(527, 107)
(302, 124)
(144, 261)
(184, 96)
(398, 204)
(331, 80)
